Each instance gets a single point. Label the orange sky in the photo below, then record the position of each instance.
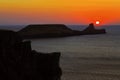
(59, 11)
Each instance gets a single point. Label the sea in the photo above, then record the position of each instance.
(75, 48)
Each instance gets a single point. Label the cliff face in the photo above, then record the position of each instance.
(55, 30)
(19, 62)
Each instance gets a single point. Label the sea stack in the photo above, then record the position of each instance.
(91, 30)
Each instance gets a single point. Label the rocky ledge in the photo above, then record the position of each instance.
(19, 62)
(56, 30)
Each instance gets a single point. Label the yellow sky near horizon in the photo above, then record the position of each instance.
(59, 11)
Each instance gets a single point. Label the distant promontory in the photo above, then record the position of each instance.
(55, 30)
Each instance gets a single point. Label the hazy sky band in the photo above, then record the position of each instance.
(59, 11)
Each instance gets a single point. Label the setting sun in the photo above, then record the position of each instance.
(97, 22)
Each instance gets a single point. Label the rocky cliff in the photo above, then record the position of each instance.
(19, 62)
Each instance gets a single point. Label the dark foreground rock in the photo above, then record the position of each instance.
(55, 30)
(19, 62)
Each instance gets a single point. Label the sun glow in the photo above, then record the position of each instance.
(99, 12)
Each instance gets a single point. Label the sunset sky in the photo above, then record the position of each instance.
(59, 11)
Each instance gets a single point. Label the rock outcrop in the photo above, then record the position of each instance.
(55, 30)
(19, 62)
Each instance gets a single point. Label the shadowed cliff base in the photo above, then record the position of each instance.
(19, 62)
(56, 30)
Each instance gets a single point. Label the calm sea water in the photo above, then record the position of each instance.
(104, 45)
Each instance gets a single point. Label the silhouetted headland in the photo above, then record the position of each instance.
(56, 30)
(19, 62)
